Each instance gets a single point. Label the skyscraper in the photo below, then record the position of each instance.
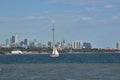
(14, 39)
(87, 45)
(49, 44)
(25, 42)
(36, 43)
(118, 45)
(76, 45)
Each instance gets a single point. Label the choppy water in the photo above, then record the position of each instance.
(62, 71)
(65, 67)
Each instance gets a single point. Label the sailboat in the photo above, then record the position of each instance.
(55, 53)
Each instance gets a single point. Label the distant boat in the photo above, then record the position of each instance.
(16, 52)
(55, 53)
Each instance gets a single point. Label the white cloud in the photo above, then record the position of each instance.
(90, 9)
(35, 18)
(115, 17)
(6, 19)
(108, 6)
(85, 18)
(86, 2)
(29, 18)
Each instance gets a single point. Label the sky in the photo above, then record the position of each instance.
(95, 21)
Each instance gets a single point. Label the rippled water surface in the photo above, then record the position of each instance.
(65, 67)
(60, 71)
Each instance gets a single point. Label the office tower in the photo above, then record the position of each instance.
(49, 44)
(63, 43)
(31, 43)
(76, 45)
(87, 45)
(118, 45)
(36, 43)
(25, 42)
(14, 39)
(21, 44)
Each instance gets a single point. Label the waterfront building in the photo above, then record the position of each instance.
(87, 45)
(21, 44)
(63, 44)
(36, 43)
(68, 46)
(76, 45)
(31, 43)
(58, 44)
(49, 44)
(118, 45)
(26, 42)
(14, 39)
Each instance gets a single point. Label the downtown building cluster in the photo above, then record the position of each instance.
(14, 42)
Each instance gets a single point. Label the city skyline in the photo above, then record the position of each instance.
(88, 21)
(14, 41)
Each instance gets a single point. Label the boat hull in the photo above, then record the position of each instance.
(56, 55)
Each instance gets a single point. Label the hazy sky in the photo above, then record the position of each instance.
(96, 21)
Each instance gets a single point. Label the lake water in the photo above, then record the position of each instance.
(65, 67)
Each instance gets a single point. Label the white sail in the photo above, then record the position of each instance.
(55, 53)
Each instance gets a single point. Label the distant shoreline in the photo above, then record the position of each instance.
(63, 53)
(49, 51)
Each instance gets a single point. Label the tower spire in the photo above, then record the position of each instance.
(53, 31)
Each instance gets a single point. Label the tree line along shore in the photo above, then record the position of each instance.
(49, 50)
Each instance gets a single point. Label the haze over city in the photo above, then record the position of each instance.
(96, 21)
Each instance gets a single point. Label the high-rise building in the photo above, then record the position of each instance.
(76, 45)
(14, 39)
(49, 44)
(118, 45)
(36, 43)
(25, 42)
(31, 43)
(87, 45)
(21, 44)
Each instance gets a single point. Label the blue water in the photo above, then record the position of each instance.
(65, 67)
(63, 58)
